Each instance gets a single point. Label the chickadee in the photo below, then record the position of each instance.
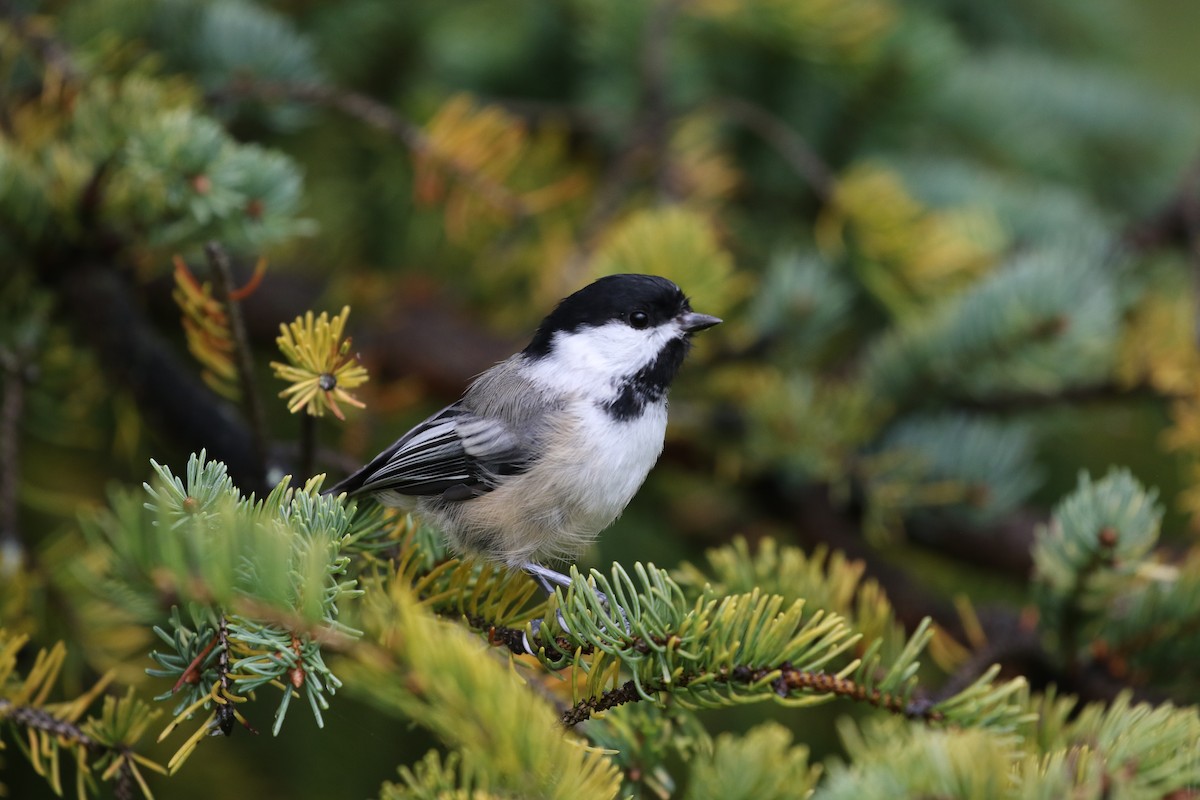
(545, 449)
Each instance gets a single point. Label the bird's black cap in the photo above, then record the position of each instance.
(613, 297)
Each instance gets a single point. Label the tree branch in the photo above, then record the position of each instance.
(39, 719)
(1004, 546)
(789, 680)
(222, 278)
(1011, 639)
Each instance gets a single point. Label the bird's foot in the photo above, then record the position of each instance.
(549, 580)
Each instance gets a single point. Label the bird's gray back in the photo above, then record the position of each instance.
(505, 394)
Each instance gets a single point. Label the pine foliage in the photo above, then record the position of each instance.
(475, 706)
(1044, 324)
(50, 733)
(1106, 593)
(252, 586)
(134, 149)
(722, 775)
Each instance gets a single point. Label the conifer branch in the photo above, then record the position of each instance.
(381, 117)
(789, 680)
(469, 702)
(70, 734)
(662, 637)
(225, 713)
(41, 720)
(1072, 614)
(222, 280)
(101, 744)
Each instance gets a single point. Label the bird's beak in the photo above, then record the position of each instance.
(691, 322)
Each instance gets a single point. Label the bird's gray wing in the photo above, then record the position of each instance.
(455, 453)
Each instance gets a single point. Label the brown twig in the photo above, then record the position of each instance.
(124, 784)
(12, 552)
(226, 713)
(65, 731)
(584, 709)
(222, 279)
(42, 720)
(512, 639)
(192, 673)
(788, 681)
(380, 117)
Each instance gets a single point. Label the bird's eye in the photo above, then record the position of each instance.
(639, 319)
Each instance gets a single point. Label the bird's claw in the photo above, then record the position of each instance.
(549, 580)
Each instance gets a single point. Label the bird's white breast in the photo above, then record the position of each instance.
(617, 455)
(587, 477)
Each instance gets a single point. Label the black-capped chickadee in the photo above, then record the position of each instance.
(545, 449)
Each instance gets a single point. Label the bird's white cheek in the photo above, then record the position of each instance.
(591, 360)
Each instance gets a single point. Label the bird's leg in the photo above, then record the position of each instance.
(545, 577)
(548, 579)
